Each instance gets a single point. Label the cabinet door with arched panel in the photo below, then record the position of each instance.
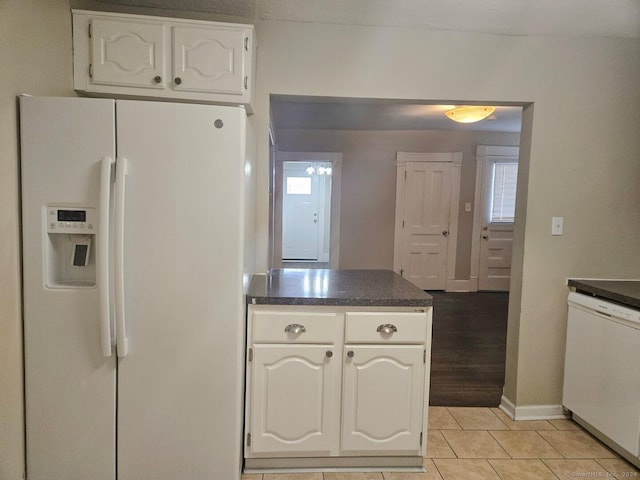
(295, 399)
(383, 396)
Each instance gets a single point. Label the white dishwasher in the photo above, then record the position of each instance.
(602, 371)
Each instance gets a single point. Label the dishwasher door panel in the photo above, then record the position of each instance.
(602, 375)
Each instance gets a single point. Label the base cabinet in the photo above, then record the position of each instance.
(328, 384)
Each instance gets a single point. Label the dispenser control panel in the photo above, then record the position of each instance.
(78, 220)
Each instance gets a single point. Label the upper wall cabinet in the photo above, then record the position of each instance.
(141, 56)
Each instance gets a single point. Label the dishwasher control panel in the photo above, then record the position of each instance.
(605, 307)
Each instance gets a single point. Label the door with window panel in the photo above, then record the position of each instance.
(499, 181)
(300, 212)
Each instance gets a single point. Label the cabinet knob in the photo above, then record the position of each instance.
(350, 354)
(177, 80)
(329, 354)
(157, 79)
(295, 328)
(387, 329)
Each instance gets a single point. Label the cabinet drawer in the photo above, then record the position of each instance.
(386, 327)
(297, 327)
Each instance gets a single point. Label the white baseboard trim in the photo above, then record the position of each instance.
(507, 407)
(454, 285)
(532, 412)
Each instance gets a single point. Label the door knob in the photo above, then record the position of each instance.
(485, 236)
(445, 233)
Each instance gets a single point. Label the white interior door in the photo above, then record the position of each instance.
(499, 176)
(300, 212)
(425, 233)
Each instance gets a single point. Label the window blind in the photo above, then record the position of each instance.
(503, 206)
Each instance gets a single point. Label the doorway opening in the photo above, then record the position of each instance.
(370, 133)
(306, 212)
(306, 209)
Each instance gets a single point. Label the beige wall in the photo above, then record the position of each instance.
(368, 185)
(35, 58)
(584, 154)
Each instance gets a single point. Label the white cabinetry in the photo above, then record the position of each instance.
(336, 386)
(295, 381)
(383, 391)
(141, 56)
(382, 398)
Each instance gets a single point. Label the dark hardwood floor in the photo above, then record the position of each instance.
(468, 348)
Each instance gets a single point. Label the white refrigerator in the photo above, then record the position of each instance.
(138, 230)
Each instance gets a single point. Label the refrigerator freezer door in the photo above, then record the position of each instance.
(69, 384)
(180, 385)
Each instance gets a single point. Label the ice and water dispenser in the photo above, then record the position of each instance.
(69, 248)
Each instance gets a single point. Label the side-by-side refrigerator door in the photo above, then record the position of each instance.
(180, 379)
(67, 146)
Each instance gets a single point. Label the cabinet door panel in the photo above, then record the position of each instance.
(127, 53)
(383, 398)
(295, 399)
(209, 60)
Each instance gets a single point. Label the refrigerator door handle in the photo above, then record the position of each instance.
(122, 346)
(102, 257)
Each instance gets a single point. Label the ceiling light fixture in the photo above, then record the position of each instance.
(469, 113)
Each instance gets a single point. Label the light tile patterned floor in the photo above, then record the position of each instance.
(485, 444)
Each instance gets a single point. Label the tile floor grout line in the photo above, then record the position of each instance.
(500, 420)
(454, 418)
(436, 466)
(448, 444)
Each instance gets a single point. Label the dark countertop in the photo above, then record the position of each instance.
(366, 288)
(625, 292)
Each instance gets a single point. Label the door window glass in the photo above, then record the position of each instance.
(298, 185)
(503, 199)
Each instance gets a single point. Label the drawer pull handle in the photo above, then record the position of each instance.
(295, 328)
(387, 329)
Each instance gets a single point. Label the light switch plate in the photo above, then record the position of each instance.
(557, 224)
(467, 207)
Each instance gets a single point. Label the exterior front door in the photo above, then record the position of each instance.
(300, 212)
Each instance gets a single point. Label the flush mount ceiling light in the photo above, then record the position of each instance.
(469, 113)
